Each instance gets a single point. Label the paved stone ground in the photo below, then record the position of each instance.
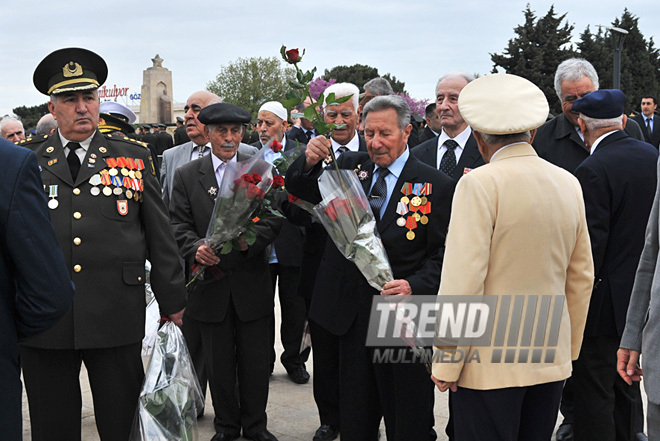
(291, 409)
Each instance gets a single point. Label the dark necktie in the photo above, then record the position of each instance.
(448, 162)
(73, 160)
(201, 149)
(308, 135)
(379, 192)
(341, 150)
(648, 126)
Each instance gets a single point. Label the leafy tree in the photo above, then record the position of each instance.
(30, 116)
(359, 74)
(250, 82)
(540, 45)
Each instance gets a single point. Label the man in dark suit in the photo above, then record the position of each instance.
(306, 131)
(433, 126)
(324, 343)
(647, 121)
(227, 316)
(180, 135)
(109, 218)
(455, 151)
(561, 142)
(35, 289)
(285, 258)
(618, 182)
(163, 139)
(342, 298)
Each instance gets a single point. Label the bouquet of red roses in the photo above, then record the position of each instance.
(349, 221)
(247, 194)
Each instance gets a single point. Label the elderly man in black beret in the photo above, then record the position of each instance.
(227, 314)
(618, 181)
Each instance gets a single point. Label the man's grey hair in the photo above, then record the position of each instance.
(7, 119)
(596, 123)
(46, 124)
(574, 69)
(506, 139)
(379, 86)
(455, 74)
(344, 89)
(385, 102)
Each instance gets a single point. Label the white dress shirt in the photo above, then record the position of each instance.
(461, 139)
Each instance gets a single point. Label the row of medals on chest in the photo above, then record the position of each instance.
(418, 205)
(130, 180)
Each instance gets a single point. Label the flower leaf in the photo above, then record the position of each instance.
(331, 98)
(296, 85)
(309, 113)
(343, 99)
(250, 237)
(226, 248)
(291, 103)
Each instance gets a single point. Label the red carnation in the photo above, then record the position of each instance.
(275, 146)
(278, 181)
(248, 178)
(256, 178)
(292, 56)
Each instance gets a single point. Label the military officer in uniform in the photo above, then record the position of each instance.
(108, 215)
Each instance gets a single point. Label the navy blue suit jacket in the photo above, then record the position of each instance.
(427, 152)
(35, 288)
(618, 182)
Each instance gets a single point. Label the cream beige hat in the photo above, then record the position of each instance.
(503, 104)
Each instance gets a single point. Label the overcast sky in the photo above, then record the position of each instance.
(416, 41)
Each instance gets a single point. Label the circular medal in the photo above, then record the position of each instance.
(416, 201)
(113, 172)
(129, 194)
(52, 204)
(107, 191)
(401, 222)
(132, 174)
(138, 174)
(405, 200)
(424, 220)
(117, 191)
(124, 172)
(95, 191)
(417, 216)
(410, 235)
(424, 200)
(136, 196)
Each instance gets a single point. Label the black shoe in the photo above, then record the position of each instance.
(298, 374)
(264, 435)
(326, 433)
(224, 437)
(565, 432)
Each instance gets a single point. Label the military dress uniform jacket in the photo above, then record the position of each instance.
(246, 277)
(105, 241)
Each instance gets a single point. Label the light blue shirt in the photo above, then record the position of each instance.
(390, 180)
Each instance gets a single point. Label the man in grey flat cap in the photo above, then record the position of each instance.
(228, 312)
(518, 227)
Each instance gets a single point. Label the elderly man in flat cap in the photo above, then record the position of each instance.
(105, 205)
(227, 316)
(618, 181)
(518, 228)
(286, 257)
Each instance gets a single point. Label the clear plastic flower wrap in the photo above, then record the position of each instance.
(349, 221)
(171, 397)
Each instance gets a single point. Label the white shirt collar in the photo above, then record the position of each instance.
(84, 144)
(353, 145)
(600, 138)
(461, 138)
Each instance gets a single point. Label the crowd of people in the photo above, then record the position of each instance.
(515, 203)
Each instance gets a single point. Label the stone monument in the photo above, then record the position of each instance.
(156, 98)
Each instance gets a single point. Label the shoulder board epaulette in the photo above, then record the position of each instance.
(32, 140)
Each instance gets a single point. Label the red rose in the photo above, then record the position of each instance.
(254, 192)
(256, 178)
(248, 178)
(278, 181)
(292, 56)
(275, 146)
(292, 198)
